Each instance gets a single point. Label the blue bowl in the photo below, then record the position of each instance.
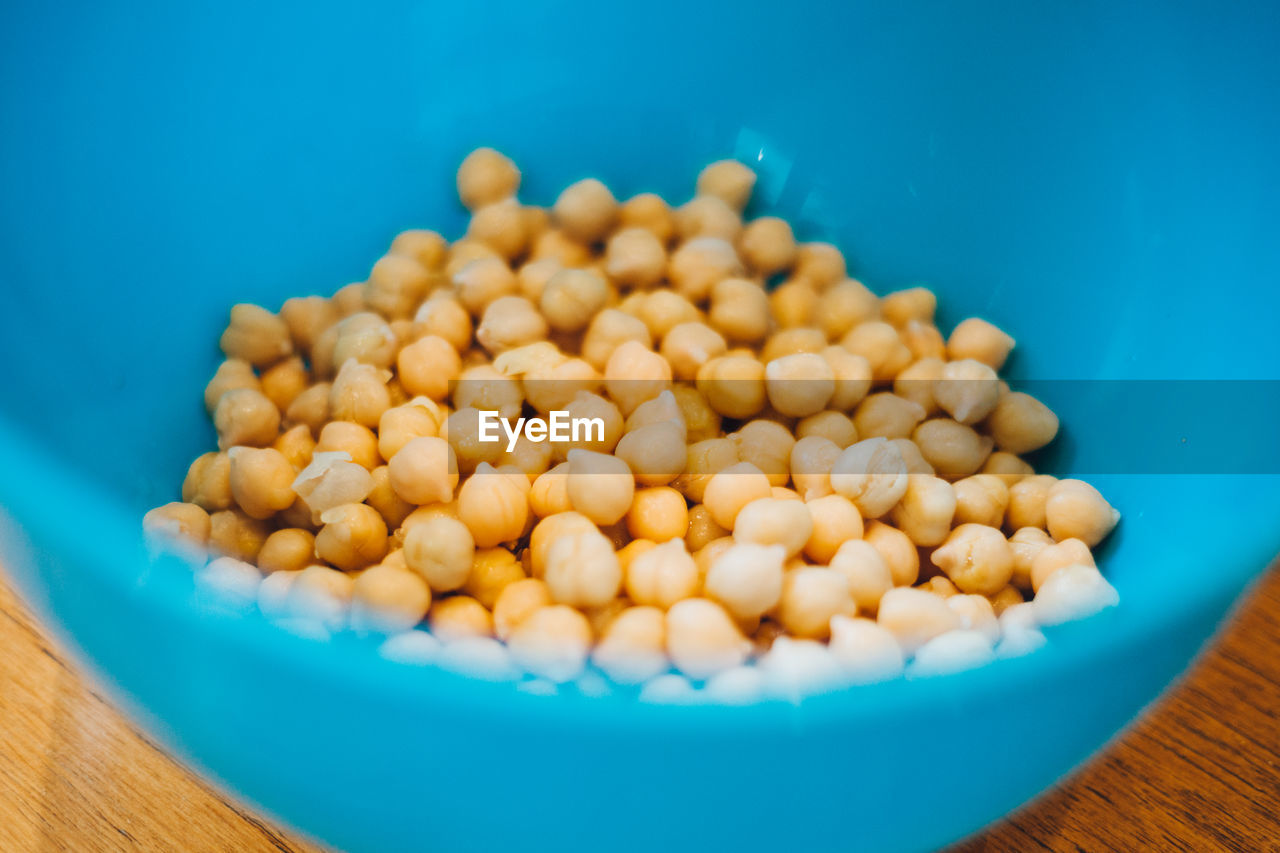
(1099, 179)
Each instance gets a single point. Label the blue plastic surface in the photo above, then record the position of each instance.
(1099, 179)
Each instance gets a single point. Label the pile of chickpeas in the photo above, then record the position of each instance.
(797, 486)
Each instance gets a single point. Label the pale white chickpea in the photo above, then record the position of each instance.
(704, 459)
(1027, 501)
(319, 593)
(767, 245)
(479, 282)
(707, 216)
(740, 310)
(1020, 423)
(897, 549)
(244, 416)
(284, 381)
(516, 602)
(658, 514)
(384, 499)
(774, 521)
(401, 424)
(444, 316)
(662, 575)
(702, 529)
(358, 442)
(655, 453)
(734, 385)
(953, 449)
(968, 390)
(767, 445)
(1068, 552)
(977, 558)
(912, 303)
(634, 373)
(872, 474)
(486, 176)
(608, 330)
(501, 225)
(811, 596)
(926, 510)
(799, 384)
(915, 616)
(273, 593)
(843, 306)
(865, 572)
(232, 373)
(729, 181)
(979, 340)
(632, 648)
(1073, 592)
(745, 577)
(388, 600)
(651, 212)
(256, 335)
(916, 382)
(732, 488)
(601, 487)
(185, 522)
(462, 432)
(582, 569)
(696, 266)
(663, 309)
(706, 556)
(586, 210)
(396, 285)
(459, 617)
(981, 499)
(635, 257)
(307, 317)
(492, 506)
(424, 471)
(261, 480)
(793, 303)
(880, 344)
(509, 322)
(976, 614)
(790, 341)
(702, 639)
(552, 642)
(924, 340)
(688, 346)
(836, 427)
(426, 247)
(571, 297)
(820, 263)
(354, 536)
(365, 337)
(1027, 543)
(359, 393)
(811, 460)
(835, 521)
(853, 377)
(886, 415)
(550, 492)
(330, 479)
(208, 482)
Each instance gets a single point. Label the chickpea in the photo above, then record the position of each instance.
(634, 373)
(658, 514)
(400, 425)
(552, 642)
(865, 571)
(1052, 557)
(501, 225)
(867, 653)
(516, 602)
(662, 575)
(704, 459)
(740, 310)
(321, 594)
(1004, 599)
(872, 474)
(650, 212)
(819, 263)
(492, 571)
(359, 393)
(550, 492)
(835, 521)
(811, 596)
(1008, 467)
(732, 488)
(915, 616)
(492, 507)
(426, 247)
(843, 306)
(365, 337)
(1027, 543)
(794, 303)
(977, 558)
(834, 426)
(688, 346)
(904, 306)
(589, 405)
(635, 257)
(852, 375)
(791, 341)
(184, 521)
(734, 385)
(916, 383)
(800, 384)
(696, 267)
(976, 614)
(632, 648)
(953, 449)
(746, 578)
(442, 551)
(330, 479)
(981, 499)
(358, 442)
(586, 210)
(273, 593)
(256, 335)
(981, 341)
(235, 534)
(459, 617)
(707, 216)
(702, 529)
(532, 277)
(967, 390)
(571, 297)
(208, 482)
(384, 499)
(444, 316)
(1020, 423)
(388, 600)
(284, 381)
(483, 387)
(600, 487)
(926, 510)
(1073, 592)
(702, 640)
(396, 285)
(310, 408)
(509, 322)
(555, 244)
(245, 416)
(911, 456)
(768, 245)
(924, 341)
(481, 281)
(307, 317)
(886, 415)
(941, 586)
(582, 569)
(232, 373)
(767, 445)
(349, 299)
(773, 521)
(1028, 499)
(462, 432)
(424, 471)
(812, 458)
(897, 549)
(354, 536)
(486, 176)
(879, 344)
(531, 458)
(729, 181)
(609, 330)
(261, 480)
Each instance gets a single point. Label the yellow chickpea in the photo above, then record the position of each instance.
(364, 337)
(811, 460)
(552, 642)
(734, 385)
(886, 415)
(634, 373)
(844, 305)
(811, 596)
(424, 471)
(707, 216)
(550, 492)
(775, 521)
(1026, 543)
(481, 281)
(235, 534)
(284, 381)
(702, 529)
(441, 550)
(516, 602)
(401, 424)
(245, 416)
(924, 340)
(732, 488)
(702, 639)
(586, 210)
(609, 330)
(729, 181)
(510, 322)
(981, 341)
(582, 569)
(696, 267)
(310, 408)
(650, 212)
(977, 558)
(790, 341)
(704, 458)
(635, 257)
(953, 449)
(486, 176)
(915, 616)
(1076, 510)
(926, 510)
(256, 335)
(968, 390)
(767, 245)
(261, 480)
(1027, 500)
(571, 298)
(655, 453)
(556, 245)
(865, 572)
(359, 442)
(662, 575)
(897, 549)
(501, 225)
(359, 393)
(746, 578)
(658, 514)
(872, 474)
(913, 303)
(384, 499)
(396, 285)
(589, 405)
(388, 600)
(632, 648)
(600, 487)
(459, 617)
(492, 507)
(1058, 555)
(740, 310)
(981, 499)
(663, 309)
(319, 593)
(852, 377)
(1004, 599)
(820, 263)
(232, 373)
(208, 482)
(880, 344)
(1008, 467)
(426, 247)
(354, 536)
(794, 303)
(307, 317)
(462, 432)
(483, 387)
(835, 521)
(1020, 423)
(915, 462)
(185, 521)
(836, 427)
(349, 299)
(916, 383)
(444, 316)
(492, 571)
(688, 346)
(427, 366)
(799, 384)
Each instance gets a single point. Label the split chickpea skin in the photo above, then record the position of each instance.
(809, 461)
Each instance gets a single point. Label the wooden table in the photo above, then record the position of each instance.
(1202, 772)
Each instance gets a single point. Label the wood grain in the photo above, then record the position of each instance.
(1199, 773)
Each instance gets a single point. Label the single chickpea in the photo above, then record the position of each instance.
(1020, 423)
(976, 614)
(913, 303)
(1027, 543)
(767, 445)
(1008, 467)
(310, 408)
(481, 281)
(702, 639)
(732, 488)
(358, 442)
(967, 390)
(365, 337)
(886, 415)
(516, 602)
(232, 373)
(635, 257)
(384, 499)
(740, 310)
(273, 593)
(307, 317)
(1072, 592)
(284, 381)
(552, 642)
(941, 586)
(245, 417)
(663, 309)
(662, 575)
(509, 322)
(791, 341)
(256, 335)
(359, 393)
(459, 617)
(773, 521)
(953, 449)
(746, 578)
(492, 571)
(486, 176)
(601, 487)
(915, 616)
(836, 427)
(696, 267)
(388, 600)
(634, 373)
(981, 499)
(261, 480)
(442, 551)
(872, 474)
(843, 306)
(582, 569)
(734, 385)
(979, 340)
(926, 510)
(444, 316)
(705, 557)
(531, 458)
(402, 424)
(320, 593)
(650, 212)
(424, 471)
(354, 536)
(1004, 599)
(590, 405)
(208, 482)
(609, 330)
(794, 303)
(977, 558)
(426, 247)
(836, 521)
(349, 299)
(865, 572)
(704, 459)
(811, 596)
(396, 285)
(867, 653)
(799, 384)
(880, 344)
(897, 549)
(235, 534)
(1076, 510)
(550, 492)
(916, 383)
(767, 245)
(702, 529)
(819, 263)
(483, 387)
(688, 346)
(707, 216)
(571, 297)
(632, 648)
(462, 432)
(1058, 555)
(658, 514)
(185, 521)
(532, 277)
(501, 225)
(911, 455)
(811, 460)
(853, 377)
(656, 452)
(556, 245)
(1027, 501)
(924, 340)
(729, 181)
(330, 479)
(492, 507)
(586, 210)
